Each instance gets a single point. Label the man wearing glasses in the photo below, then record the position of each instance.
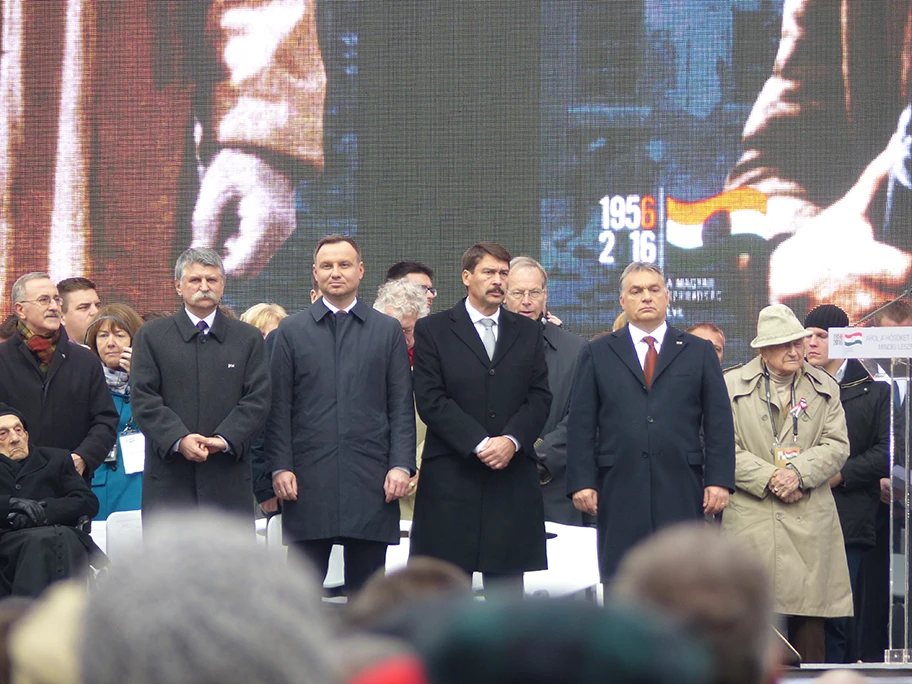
(58, 387)
(527, 295)
(418, 273)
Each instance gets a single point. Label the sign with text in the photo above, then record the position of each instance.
(880, 343)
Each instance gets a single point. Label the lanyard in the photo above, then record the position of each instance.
(769, 408)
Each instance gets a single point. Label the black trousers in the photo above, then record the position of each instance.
(362, 558)
(34, 558)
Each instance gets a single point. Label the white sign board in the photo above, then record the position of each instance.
(863, 343)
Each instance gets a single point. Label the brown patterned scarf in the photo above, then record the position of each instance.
(42, 346)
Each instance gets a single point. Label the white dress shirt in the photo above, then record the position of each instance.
(210, 319)
(335, 309)
(840, 374)
(476, 316)
(640, 346)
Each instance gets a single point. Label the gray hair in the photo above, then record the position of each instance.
(200, 602)
(529, 262)
(720, 592)
(404, 297)
(197, 255)
(635, 266)
(18, 291)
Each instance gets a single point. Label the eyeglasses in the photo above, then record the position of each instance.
(43, 301)
(431, 290)
(520, 294)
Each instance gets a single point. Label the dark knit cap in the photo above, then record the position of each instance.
(826, 316)
(6, 410)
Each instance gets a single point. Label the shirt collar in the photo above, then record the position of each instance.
(335, 309)
(476, 315)
(840, 374)
(637, 335)
(210, 319)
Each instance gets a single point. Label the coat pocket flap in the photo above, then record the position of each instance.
(605, 460)
(695, 458)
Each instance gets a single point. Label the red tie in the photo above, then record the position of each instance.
(651, 357)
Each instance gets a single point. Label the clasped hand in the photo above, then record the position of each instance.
(785, 484)
(25, 513)
(497, 452)
(197, 448)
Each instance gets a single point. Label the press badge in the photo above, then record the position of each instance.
(783, 454)
(133, 450)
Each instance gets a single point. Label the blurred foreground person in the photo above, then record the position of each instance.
(422, 580)
(202, 603)
(712, 585)
(560, 642)
(790, 439)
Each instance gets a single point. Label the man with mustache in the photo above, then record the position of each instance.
(57, 386)
(201, 392)
(481, 386)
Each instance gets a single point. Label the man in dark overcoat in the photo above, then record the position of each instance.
(59, 387)
(340, 439)
(640, 398)
(201, 392)
(527, 295)
(481, 385)
(42, 498)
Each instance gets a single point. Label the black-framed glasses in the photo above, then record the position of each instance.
(431, 290)
(43, 301)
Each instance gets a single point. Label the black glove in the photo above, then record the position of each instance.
(26, 513)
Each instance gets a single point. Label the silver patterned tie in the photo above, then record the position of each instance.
(488, 339)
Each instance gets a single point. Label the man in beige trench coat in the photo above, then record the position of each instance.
(784, 510)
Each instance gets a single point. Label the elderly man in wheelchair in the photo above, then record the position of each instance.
(43, 500)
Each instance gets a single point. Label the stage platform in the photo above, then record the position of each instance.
(882, 672)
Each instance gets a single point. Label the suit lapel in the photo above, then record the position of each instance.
(219, 327)
(672, 345)
(465, 331)
(35, 462)
(27, 354)
(184, 325)
(621, 344)
(506, 336)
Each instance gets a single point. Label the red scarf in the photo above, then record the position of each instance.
(42, 346)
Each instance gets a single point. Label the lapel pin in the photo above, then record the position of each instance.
(678, 342)
(230, 365)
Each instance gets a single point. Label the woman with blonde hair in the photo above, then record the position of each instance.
(264, 317)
